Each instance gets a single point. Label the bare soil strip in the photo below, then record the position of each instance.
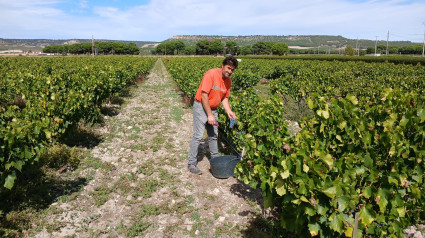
(139, 184)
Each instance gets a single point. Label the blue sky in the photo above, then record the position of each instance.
(158, 20)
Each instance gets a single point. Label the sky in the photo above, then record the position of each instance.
(159, 20)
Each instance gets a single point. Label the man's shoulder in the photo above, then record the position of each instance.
(213, 71)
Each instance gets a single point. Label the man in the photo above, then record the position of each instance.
(213, 90)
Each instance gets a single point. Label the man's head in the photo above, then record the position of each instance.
(229, 64)
(230, 60)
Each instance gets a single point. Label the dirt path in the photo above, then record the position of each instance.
(139, 184)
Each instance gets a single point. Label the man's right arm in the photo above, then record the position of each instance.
(206, 105)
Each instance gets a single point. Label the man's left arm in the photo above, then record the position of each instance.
(226, 107)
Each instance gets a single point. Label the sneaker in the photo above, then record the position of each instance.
(194, 169)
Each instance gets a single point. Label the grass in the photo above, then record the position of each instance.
(101, 194)
(262, 89)
(152, 210)
(146, 187)
(137, 228)
(146, 169)
(176, 113)
(96, 163)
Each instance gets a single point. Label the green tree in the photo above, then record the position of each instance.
(245, 50)
(349, 50)
(132, 49)
(370, 50)
(231, 47)
(262, 47)
(381, 49)
(280, 49)
(203, 47)
(393, 49)
(178, 46)
(189, 50)
(216, 47)
(412, 49)
(167, 48)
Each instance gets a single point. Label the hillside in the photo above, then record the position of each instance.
(146, 46)
(302, 41)
(39, 44)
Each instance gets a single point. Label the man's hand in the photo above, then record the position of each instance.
(206, 105)
(211, 120)
(226, 107)
(231, 114)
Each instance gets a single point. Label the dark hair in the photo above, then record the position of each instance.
(230, 60)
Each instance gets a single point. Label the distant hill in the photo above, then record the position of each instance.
(300, 41)
(39, 44)
(147, 46)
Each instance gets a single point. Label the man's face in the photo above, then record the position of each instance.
(227, 70)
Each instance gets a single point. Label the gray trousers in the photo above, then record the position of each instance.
(200, 123)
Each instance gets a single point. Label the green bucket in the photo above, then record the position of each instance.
(224, 166)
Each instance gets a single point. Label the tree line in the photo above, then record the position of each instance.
(392, 49)
(217, 47)
(104, 48)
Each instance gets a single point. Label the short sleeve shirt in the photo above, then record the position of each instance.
(216, 87)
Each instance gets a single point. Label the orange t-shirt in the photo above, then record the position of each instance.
(216, 87)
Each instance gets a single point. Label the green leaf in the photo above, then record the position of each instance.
(323, 113)
(310, 211)
(314, 229)
(367, 215)
(343, 203)
(404, 121)
(328, 160)
(353, 99)
(367, 192)
(387, 91)
(28, 153)
(322, 210)
(18, 164)
(421, 114)
(383, 201)
(342, 125)
(48, 134)
(36, 130)
(336, 223)
(330, 192)
(368, 161)
(10, 180)
(280, 188)
(401, 211)
(285, 174)
(349, 231)
(367, 138)
(306, 168)
(339, 138)
(416, 192)
(310, 103)
(392, 180)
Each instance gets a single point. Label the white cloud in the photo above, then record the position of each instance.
(83, 4)
(161, 19)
